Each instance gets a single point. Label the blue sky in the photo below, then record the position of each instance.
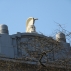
(14, 13)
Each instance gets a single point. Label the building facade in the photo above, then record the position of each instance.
(33, 51)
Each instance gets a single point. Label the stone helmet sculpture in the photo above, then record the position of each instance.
(4, 29)
(60, 37)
